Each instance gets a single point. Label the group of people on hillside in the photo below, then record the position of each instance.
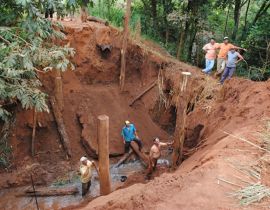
(129, 134)
(227, 58)
(64, 8)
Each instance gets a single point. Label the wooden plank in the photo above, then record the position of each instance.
(141, 155)
(124, 158)
(143, 93)
(48, 191)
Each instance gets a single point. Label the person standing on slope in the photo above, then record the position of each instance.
(222, 55)
(233, 58)
(210, 55)
(154, 155)
(129, 134)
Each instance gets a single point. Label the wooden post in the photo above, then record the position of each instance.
(58, 91)
(180, 122)
(103, 154)
(34, 132)
(124, 46)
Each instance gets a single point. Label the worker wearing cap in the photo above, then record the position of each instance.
(86, 167)
(233, 58)
(129, 134)
(154, 155)
(222, 55)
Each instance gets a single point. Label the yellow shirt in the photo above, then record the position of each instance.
(224, 49)
(86, 171)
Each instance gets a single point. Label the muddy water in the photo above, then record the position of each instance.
(10, 201)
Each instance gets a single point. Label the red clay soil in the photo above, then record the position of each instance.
(239, 110)
(92, 89)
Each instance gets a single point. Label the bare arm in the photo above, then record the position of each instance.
(163, 144)
(240, 58)
(240, 48)
(205, 48)
(96, 167)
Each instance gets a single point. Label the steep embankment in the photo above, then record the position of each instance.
(90, 90)
(234, 112)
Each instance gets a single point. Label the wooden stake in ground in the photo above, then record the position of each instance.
(58, 91)
(180, 122)
(103, 154)
(34, 132)
(124, 46)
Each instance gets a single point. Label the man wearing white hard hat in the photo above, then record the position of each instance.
(86, 167)
(129, 134)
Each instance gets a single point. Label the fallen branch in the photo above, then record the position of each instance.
(98, 20)
(47, 191)
(61, 127)
(228, 182)
(140, 154)
(245, 140)
(124, 158)
(143, 93)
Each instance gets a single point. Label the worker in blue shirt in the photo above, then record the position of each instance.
(129, 134)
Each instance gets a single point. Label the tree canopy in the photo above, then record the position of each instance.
(27, 49)
(184, 26)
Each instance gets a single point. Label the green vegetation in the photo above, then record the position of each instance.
(183, 27)
(26, 50)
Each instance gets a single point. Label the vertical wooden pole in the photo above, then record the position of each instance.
(180, 122)
(59, 91)
(124, 46)
(103, 154)
(34, 132)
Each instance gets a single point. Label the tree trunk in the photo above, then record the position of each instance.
(245, 22)
(61, 127)
(34, 132)
(263, 9)
(140, 154)
(182, 41)
(179, 136)
(226, 22)
(154, 13)
(192, 39)
(58, 91)
(124, 46)
(237, 11)
(165, 13)
(47, 191)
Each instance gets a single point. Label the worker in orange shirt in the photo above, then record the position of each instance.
(222, 55)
